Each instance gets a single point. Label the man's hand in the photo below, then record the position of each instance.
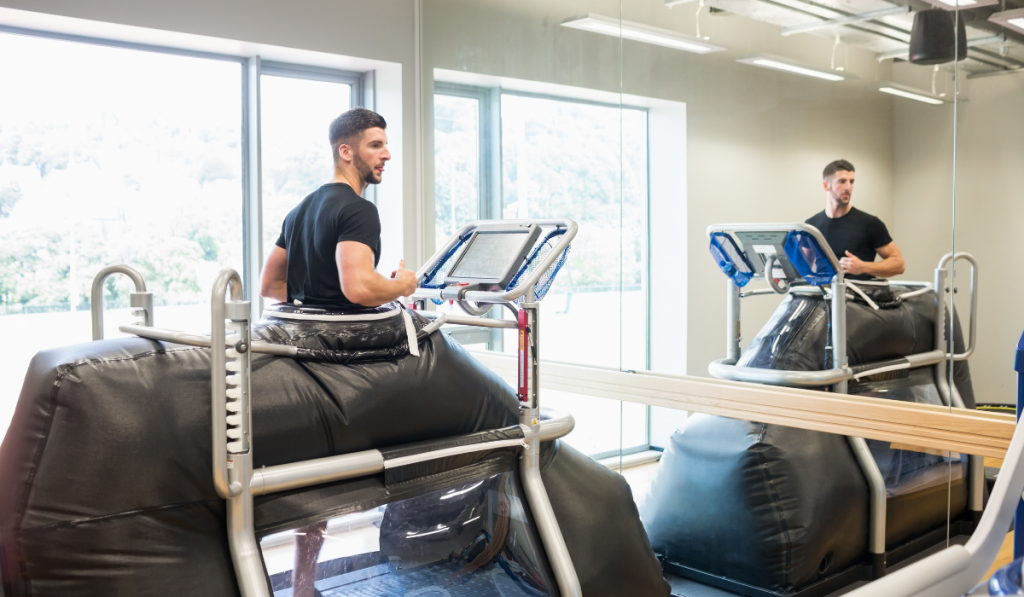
(853, 264)
(407, 277)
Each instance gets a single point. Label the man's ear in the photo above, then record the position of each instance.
(824, 184)
(345, 153)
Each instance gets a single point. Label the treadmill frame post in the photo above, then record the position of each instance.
(141, 301)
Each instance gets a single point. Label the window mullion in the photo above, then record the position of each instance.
(252, 209)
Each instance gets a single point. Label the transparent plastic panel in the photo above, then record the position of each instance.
(110, 155)
(471, 540)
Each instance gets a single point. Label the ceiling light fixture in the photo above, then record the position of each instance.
(1011, 19)
(911, 93)
(962, 4)
(640, 32)
(790, 66)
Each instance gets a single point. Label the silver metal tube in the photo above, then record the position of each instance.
(913, 361)
(435, 325)
(484, 322)
(914, 293)
(194, 340)
(284, 477)
(245, 552)
(544, 515)
(96, 306)
(474, 310)
(533, 351)
(839, 360)
(876, 486)
(733, 327)
(218, 392)
(725, 369)
(975, 483)
(551, 425)
(479, 296)
(941, 272)
(911, 284)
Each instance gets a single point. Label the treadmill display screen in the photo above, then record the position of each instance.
(491, 255)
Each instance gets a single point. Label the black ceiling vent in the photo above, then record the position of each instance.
(932, 40)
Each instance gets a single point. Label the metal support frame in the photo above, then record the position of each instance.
(840, 21)
(841, 373)
(231, 419)
(947, 388)
(955, 570)
(141, 301)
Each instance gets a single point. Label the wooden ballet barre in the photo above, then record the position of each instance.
(922, 425)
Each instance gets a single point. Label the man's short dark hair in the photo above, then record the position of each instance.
(836, 166)
(348, 128)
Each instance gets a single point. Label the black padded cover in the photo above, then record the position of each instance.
(107, 485)
(602, 529)
(779, 508)
(765, 505)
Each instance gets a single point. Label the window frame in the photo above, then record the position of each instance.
(361, 94)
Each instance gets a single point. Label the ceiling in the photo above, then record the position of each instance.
(888, 35)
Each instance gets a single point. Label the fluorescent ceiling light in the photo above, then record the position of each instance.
(790, 66)
(963, 4)
(912, 94)
(640, 32)
(1011, 19)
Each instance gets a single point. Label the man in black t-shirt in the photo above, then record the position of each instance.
(854, 236)
(330, 243)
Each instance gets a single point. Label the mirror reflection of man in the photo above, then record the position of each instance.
(854, 236)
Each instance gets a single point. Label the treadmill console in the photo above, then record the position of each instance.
(493, 255)
(761, 246)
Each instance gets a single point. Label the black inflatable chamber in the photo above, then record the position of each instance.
(107, 485)
(775, 509)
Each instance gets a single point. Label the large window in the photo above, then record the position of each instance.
(296, 107)
(111, 155)
(137, 155)
(560, 158)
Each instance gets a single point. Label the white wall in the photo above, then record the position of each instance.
(382, 32)
(989, 208)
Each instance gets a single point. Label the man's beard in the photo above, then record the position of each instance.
(366, 172)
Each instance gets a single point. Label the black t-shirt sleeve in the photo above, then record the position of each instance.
(878, 234)
(281, 241)
(360, 222)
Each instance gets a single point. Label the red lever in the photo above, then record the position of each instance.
(524, 344)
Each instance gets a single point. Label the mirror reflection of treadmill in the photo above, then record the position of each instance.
(759, 246)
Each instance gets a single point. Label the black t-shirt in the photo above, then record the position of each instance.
(857, 232)
(311, 233)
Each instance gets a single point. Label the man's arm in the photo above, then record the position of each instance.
(361, 284)
(274, 283)
(891, 264)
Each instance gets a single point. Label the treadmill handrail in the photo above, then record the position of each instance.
(481, 296)
(727, 369)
